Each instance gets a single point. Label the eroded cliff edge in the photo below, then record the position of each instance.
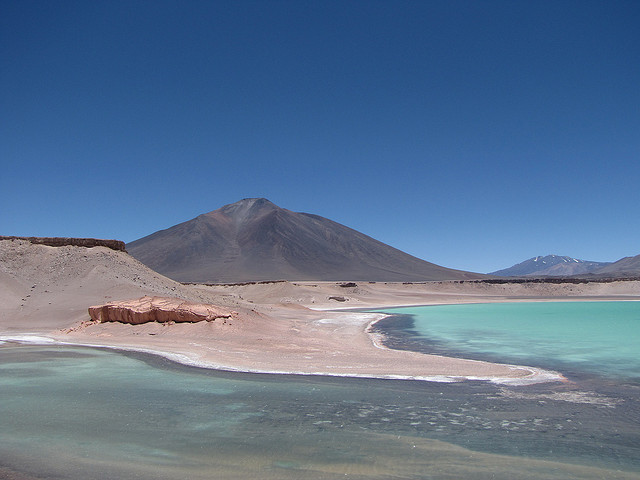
(117, 245)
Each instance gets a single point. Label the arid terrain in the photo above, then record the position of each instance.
(282, 326)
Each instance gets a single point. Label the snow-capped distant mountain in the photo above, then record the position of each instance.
(551, 265)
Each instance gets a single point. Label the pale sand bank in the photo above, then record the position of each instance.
(282, 327)
(335, 346)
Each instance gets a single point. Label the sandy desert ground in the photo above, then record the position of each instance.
(280, 327)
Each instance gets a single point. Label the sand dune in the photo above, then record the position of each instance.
(45, 288)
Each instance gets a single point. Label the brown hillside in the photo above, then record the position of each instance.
(254, 240)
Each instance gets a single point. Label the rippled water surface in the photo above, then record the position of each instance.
(81, 413)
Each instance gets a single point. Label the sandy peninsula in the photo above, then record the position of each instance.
(281, 327)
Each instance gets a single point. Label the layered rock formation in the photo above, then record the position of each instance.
(157, 309)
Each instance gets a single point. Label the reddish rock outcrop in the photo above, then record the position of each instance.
(157, 309)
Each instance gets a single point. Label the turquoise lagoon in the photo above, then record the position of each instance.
(82, 413)
(587, 338)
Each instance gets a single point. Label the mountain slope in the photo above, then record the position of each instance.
(551, 265)
(254, 240)
(625, 267)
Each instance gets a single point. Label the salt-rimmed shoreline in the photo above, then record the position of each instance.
(279, 328)
(536, 375)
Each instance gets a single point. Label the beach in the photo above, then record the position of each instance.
(310, 328)
(295, 328)
(280, 327)
(319, 330)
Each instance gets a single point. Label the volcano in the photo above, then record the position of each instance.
(255, 240)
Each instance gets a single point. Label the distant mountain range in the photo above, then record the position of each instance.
(625, 267)
(562, 266)
(255, 240)
(552, 265)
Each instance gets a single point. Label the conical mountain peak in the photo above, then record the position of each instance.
(246, 209)
(247, 204)
(254, 239)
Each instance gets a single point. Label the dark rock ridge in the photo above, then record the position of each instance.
(254, 240)
(76, 242)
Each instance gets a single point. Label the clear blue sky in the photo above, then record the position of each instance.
(473, 134)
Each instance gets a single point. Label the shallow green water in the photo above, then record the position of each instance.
(588, 337)
(85, 414)
(79, 413)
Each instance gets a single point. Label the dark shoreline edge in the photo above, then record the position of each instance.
(396, 331)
